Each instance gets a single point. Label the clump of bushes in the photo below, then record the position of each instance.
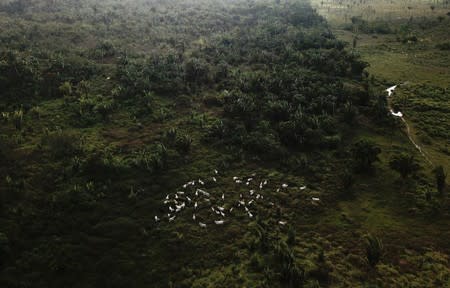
(361, 25)
(404, 164)
(152, 159)
(440, 177)
(183, 144)
(443, 46)
(292, 275)
(61, 144)
(17, 118)
(365, 153)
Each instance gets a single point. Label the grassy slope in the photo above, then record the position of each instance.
(379, 205)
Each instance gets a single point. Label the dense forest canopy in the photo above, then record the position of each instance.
(110, 107)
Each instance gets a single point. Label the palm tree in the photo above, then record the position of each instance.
(404, 164)
(374, 249)
(365, 153)
(17, 118)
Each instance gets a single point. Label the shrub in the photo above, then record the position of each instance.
(374, 250)
(5, 116)
(152, 159)
(4, 248)
(17, 118)
(65, 89)
(256, 262)
(183, 144)
(291, 274)
(365, 153)
(404, 164)
(171, 135)
(197, 71)
(443, 46)
(347, 179)
(291, 236)
(104, 49)
(36, 112)
(349, 113)
(61, 144)
(440, 176)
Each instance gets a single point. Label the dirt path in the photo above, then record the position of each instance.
(408, 130)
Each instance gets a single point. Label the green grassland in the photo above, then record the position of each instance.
(109, 106)
(407, 51)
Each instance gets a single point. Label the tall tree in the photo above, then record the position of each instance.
(365, 153)
(404, 164)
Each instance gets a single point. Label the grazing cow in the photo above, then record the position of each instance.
(390, 90)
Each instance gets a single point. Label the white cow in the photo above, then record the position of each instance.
(390, 90)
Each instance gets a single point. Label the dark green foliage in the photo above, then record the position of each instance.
(440, 176)
(183, 143)
(374, 249)
(4, 248)
(61, 144)
(17, 118)
(104, 50)
(197, 71)
(404, 164)
(261, 240)
(323, 269)
(443, 46)
(349, 113)
(159, 73)
(347, 179)
(312, 284)
(360, 25)
(19, 76)
(380, 108)
(365, 153)
(291, 274)
(151, 94)
(291, 236)
(152, 159)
